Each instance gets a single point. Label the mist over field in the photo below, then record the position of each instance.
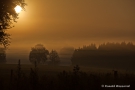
(23, 54)
(67, 44)
(89, 55)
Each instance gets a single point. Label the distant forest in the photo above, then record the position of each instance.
(106, 55)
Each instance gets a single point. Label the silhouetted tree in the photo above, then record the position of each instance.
(38, 53)
(54, 57)
(2, 55)
(7, 17)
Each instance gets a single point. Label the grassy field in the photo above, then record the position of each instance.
(5, 69)
(58, 77)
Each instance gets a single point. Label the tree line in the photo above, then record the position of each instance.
(109, 55)
(109, 46)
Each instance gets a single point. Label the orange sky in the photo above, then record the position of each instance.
(59, 23)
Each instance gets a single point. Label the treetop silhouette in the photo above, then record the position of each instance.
(7, 17)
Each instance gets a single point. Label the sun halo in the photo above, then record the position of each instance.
(18, 9)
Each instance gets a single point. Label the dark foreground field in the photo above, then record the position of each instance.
(44, 77)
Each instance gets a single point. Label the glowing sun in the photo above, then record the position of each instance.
(18, 9)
